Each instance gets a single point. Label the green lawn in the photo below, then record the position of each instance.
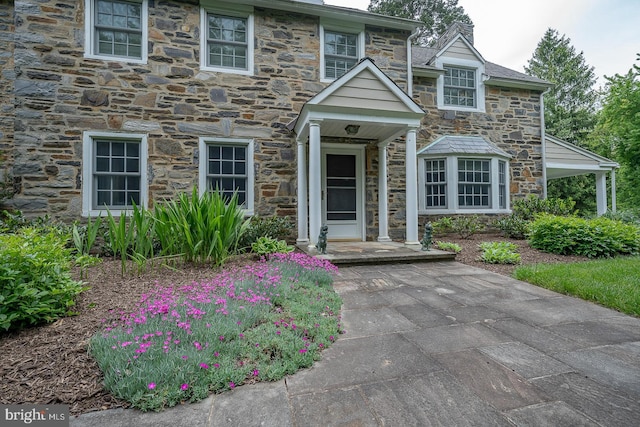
(613, 282)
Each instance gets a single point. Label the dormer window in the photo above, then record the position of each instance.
(459, 87)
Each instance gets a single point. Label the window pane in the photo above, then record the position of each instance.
(117, 165)
(102, 164)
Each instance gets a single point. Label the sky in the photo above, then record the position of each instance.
(507, 32)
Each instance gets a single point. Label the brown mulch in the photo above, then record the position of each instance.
(50, 364)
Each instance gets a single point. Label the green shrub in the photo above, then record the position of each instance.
(203, 229)
(500, 253)
(466, 226)
(267, 245)
(532, 205)
(35, 284)
(276, 227)
(442, 226)
(449, 247)
(599, 237)
(512, 226)
(629, 216)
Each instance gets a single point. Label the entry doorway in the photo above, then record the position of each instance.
(343, 192)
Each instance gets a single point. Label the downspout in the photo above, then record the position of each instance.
(409, 63)
(543, 135)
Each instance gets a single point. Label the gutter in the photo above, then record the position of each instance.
(409, 63)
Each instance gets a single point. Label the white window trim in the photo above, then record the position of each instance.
(237, 11)
(90, 34)
(202, 166)
(452, 186)
(88, 159)
(341, 27)
(461, 63)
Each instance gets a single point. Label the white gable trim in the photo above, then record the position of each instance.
(442, 52)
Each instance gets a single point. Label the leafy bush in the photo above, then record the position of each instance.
(276, 227)
(500, 253)
(599, 237)
(267, 245)
(449, 247)
(512, 226)
(442, 226)
(532, 205)
(204, 229)
(258, 323)
(466, 226)
(629, 216)
(35, 284)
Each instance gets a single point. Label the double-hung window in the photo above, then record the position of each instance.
(474, 183)
(226, 165)
(116, 29)
(114, 172)
(227, 42)
(459, 88)
(435, 183)
(342, 46)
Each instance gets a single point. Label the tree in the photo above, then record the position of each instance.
(570, 106)
(437, 15)
(618, 130)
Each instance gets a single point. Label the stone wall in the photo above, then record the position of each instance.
(511, 121)
(7, 76)
(60, 94)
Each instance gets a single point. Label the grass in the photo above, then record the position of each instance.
(613, 282)
(258, 323)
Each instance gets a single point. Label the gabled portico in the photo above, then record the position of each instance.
(362, 107)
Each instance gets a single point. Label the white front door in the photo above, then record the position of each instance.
(343, 192)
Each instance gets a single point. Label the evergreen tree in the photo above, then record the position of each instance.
(437, 15)
(569, 107)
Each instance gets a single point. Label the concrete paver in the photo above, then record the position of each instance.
(442, 343)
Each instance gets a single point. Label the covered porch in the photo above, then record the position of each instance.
(334, 129)
(563, 159)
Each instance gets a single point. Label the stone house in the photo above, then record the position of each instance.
(322, 113)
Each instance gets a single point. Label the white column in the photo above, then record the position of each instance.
(383, 211)
(303, 209)
(411, 165)
(601, 193)
(315, 178)
(613, 190)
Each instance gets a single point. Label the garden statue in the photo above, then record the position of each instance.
(322, 240)
(428, 236)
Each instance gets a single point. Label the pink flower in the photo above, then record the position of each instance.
(204, 366)
(184, 386)
(302, 350)
(216, 354)
(255, 372)
(151, 386)
(185, 357)
(216, 365)
(232, 385)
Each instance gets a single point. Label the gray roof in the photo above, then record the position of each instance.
(423, 57)
(456, 144)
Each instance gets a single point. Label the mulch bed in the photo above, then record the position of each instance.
(50, 364)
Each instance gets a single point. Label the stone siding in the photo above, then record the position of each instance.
(60, 94)
(7, 77)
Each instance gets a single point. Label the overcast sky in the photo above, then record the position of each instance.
(507, 32)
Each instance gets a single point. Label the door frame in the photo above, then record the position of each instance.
(359, 152)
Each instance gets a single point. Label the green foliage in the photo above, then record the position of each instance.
(442, 226)
(6, 186)
(629, 216)
(599, 237)
(437, 15)
(35, 283)
(613, 283)
(618, 132)
(449, 247)
(533, 205)
(84, 237)
(267, 245)
(467, 225)
(512, 226)
(204, 229)
(276, 227)
(500, 253)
